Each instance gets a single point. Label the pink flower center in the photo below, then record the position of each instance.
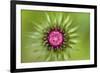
(55, 38)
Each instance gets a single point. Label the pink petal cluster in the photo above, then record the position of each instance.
(55, 38)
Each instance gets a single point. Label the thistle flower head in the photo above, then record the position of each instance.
(55, 38)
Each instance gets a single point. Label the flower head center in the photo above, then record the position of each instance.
(55, 38)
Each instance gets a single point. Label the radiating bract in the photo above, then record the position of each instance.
(54, 38)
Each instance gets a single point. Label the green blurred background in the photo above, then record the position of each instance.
(80, 19)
